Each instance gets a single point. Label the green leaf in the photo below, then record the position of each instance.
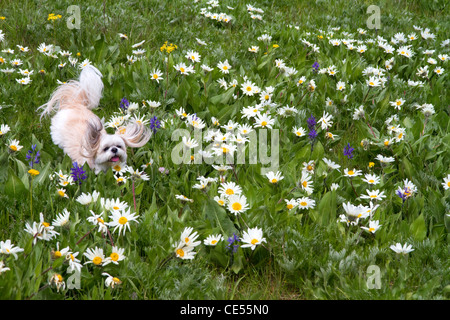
(418, 228)
(327, 208)
(218, 217)
(139, 189)
(58, 262)
(43, 174)
(14, 187)
(222, 98)
(237, 262)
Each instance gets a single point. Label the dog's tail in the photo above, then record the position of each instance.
(86, 91)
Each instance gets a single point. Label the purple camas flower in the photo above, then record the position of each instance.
(124, 104)
(312, 130)
(403, 194)
(233, 244)
(312, 135)
(155, 124)
(78, 174)
(348, 151)
(33, 156)
(315, 66)
(311, 122)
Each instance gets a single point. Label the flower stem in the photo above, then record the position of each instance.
(134, 195)
(351, 182)
(87, 233)
(31, 198)
(366, 95)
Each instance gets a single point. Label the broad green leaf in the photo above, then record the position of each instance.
(14, 187)
(418, 228)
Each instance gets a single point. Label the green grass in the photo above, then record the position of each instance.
(308, 254)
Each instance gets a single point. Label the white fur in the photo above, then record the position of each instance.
(80, 133)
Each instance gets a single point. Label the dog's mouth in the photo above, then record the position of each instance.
(114, 159)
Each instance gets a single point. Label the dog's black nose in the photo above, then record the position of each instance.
(114, 150)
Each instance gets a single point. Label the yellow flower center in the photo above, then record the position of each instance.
(399, 103)
(117, 280)
(249, 88)
(182, 69)
(371, 83)
(229, 191)
(33, 172)
(221, 202)
(303, 203)
(304, 184)
(266, 97)
(46, 224)
(116, 208)
(13, 147)
(371, 164)
(61, 193)
(400, 135)
(100, 220)
(274, 180)
(155, 76)
(214, 242)
(448, 183)
(193, 57)
(123, 220)
(386, 143)
(264, 123)
(309, 168)
(290, 206)
(373, 196)
(350, 172)
(57, 254)
(300, 81)
(236, 206)
(254, 241)
(180, 252)
(97, 260)
(371, 181)
(114, 256)
(371, 229)
(225, 68)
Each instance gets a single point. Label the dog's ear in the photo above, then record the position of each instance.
(92, 138)
(135, 134)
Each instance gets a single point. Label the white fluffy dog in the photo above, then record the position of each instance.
(80, 133)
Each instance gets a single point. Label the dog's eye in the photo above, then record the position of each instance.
(106, 149)
(119, 147)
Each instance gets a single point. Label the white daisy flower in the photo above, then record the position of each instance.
(252, 237)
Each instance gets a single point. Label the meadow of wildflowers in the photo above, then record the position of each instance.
(294, 149)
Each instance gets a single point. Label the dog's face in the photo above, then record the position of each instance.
(111, 151)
